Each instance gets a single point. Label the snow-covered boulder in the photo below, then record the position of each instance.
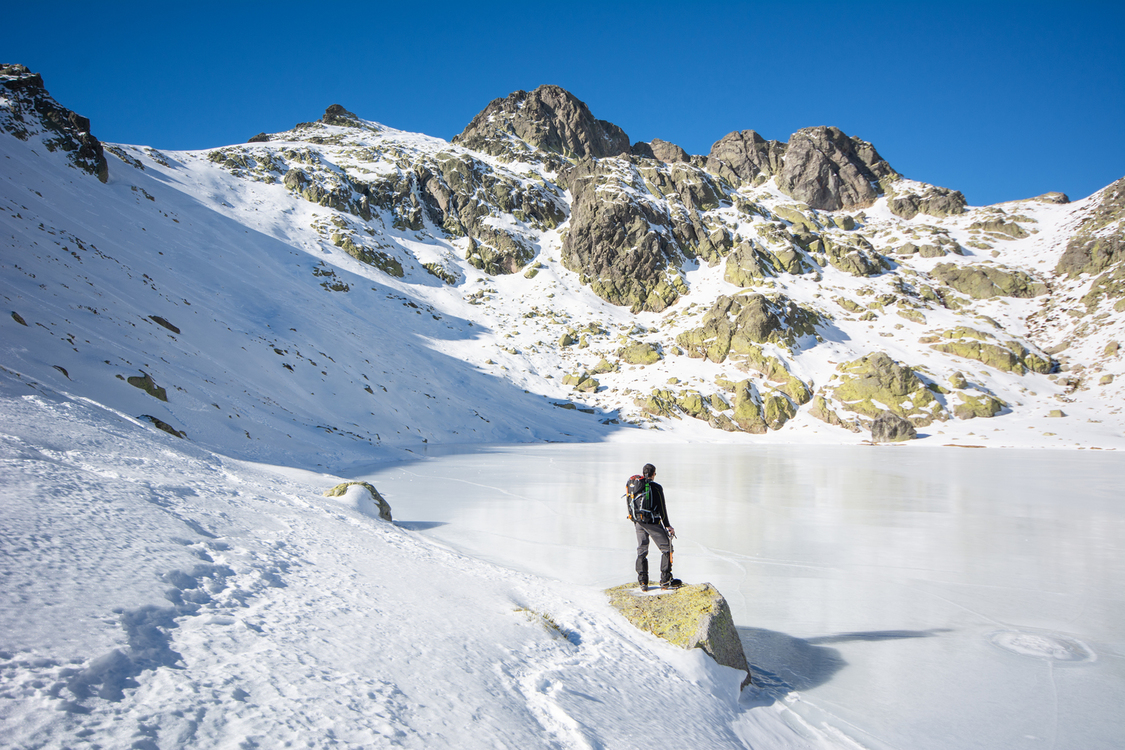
(362, 498)
(695, 616)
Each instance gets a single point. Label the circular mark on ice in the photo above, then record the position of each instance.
(1040, 646)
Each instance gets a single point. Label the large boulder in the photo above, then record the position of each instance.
(549, 119)
(828, 170)
(695, 616)
(981, 281)
(735, 324)
(876, 383)
(933, 201)
(889, 427)
(363, 497)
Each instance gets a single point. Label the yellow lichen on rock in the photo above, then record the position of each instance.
(695, 616)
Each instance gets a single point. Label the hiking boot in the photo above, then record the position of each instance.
(643, 584)
(671, 583)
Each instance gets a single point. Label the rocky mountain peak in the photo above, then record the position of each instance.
(830, 170)
(337, 115)
(33, 112)
(550, 119)
(745, 156)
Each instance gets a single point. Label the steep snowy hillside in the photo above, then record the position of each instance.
(351, 290)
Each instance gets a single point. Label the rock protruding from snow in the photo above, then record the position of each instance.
(627, 242)
(364, 497)
(695, 616)
(551, 119)
(931, 200)
(1100, 240)
(32, 111)
(889, 427)
(829, 170)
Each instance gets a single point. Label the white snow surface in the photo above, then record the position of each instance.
(157, 595)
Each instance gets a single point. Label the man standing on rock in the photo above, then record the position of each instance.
(650, 517)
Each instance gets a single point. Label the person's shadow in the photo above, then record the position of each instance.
(781, 664)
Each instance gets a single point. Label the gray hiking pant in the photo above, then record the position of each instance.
(659, 535)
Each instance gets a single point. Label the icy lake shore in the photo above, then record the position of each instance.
(908, 598)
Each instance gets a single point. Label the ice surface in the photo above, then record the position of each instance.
(910, 599)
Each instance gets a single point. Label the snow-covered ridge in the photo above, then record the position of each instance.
(344, 291)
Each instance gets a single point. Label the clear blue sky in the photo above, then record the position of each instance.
(998, 100)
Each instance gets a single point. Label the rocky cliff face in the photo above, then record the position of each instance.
(32, 112)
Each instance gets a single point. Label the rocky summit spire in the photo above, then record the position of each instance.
(549, 119)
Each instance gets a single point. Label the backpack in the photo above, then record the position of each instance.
(638, 498)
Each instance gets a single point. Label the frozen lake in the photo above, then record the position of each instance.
(911, 598)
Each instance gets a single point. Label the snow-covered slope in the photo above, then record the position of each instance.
(159, 595)
(293, 300)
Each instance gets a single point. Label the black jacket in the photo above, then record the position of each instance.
(658, 503)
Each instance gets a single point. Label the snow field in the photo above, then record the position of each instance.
(157, 595)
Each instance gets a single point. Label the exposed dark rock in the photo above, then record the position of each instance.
(32, 111)
(889, 427)
(745, 157)
(662, 151)
(163, 426)
(612, 241)
(934, 201)
(829, 170)
(337, 115)
(1099, 241)
(549, 118)
(1058, 198)
(260, 138)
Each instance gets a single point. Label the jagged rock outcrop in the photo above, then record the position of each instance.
(1007, 355)
(549, 119)
(32, 111)
(874, 384)
(744, 157)
(932, 201)
(661, 151)
(626, 242)
(829, 170)
(737, 324)
(1099, 241)
(981, 281)
(695, 616)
